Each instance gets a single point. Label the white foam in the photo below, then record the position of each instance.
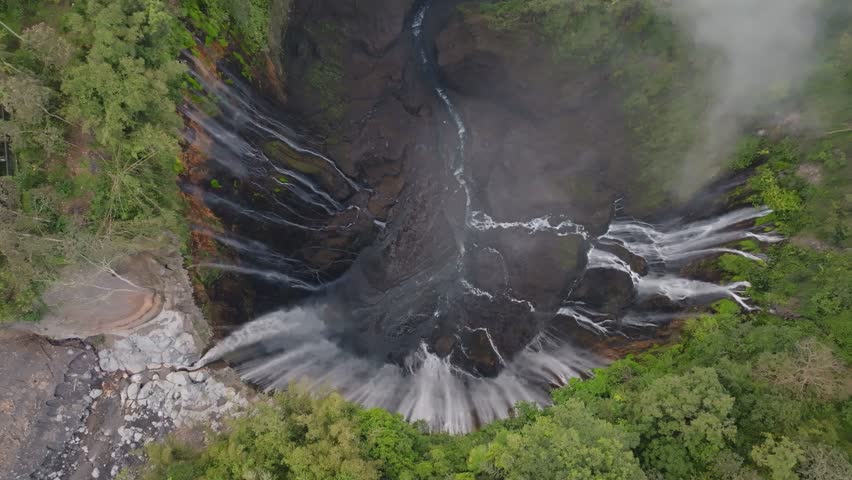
(483, 222)
(427, 387)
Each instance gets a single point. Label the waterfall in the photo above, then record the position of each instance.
(298, 345)
(325, 341)
(426, 387)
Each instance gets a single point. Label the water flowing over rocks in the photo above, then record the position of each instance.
(442, 233)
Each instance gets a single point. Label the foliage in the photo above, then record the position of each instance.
(31, 125)
(92, 92)
(778, 456)
(822, 462)
(567, 443)
(685, 422)
(44, 43)
(811, 368)
(293, 436)
(118, 94)
(394, 443)
(247, 21)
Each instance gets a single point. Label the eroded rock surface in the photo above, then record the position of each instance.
(96, 393)
(164, 342)
(44, 396)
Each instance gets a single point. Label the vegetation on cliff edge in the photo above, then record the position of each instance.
(92, 91)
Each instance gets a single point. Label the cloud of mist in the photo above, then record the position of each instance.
(763, 47)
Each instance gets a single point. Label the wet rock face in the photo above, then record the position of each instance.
(608, 291)
(407, 134)
(446, 211)
(541, 267)
(548, 135)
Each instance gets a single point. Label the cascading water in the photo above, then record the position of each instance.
(436, 312)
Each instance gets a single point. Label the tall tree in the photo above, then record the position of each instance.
(568, 444)
(685, 422)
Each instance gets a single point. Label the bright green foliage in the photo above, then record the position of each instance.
(392, 441)
(638, 391)
(567, 443)
(248, 19)
(125, 92)
(118, 92)
(778, 456)
(783, 202)
(813, 283)
(685, 422)
(111, 68)
(295, 436)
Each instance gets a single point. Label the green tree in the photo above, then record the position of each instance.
(685, 421)
(125, 92)
(395, 443)
(46, 44)
(295, 436)
(779, 457)
(31, 124)
(567, 444)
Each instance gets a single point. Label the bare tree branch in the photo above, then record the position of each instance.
(108, 268)
(834, 132)
(12, 32)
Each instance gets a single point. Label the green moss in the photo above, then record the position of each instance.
(750, 151)
(204, 103)
(324, 76)
(245, 69)
(749, 245)
(189, 82)
(246, 21)
(283, 154)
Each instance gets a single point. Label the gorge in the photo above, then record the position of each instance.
(462, 243)
(426, 239)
